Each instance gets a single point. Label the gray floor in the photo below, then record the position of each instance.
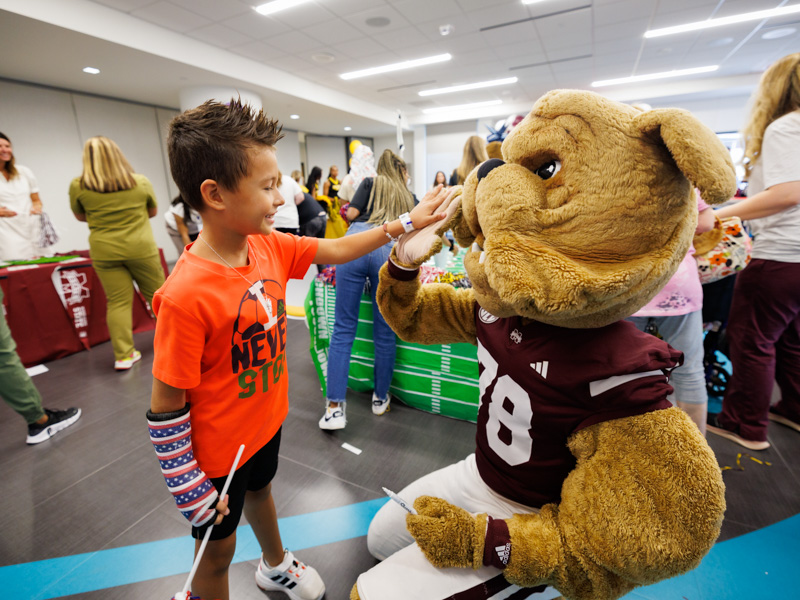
(96, 486)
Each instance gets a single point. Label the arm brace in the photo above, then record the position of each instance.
(195, 495)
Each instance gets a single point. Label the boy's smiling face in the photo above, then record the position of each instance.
(251, 207)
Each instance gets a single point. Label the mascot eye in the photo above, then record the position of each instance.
(548, 169)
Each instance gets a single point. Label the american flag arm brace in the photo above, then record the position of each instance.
(195, 495)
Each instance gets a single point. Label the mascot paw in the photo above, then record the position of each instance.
(448, 535)
(416, 247)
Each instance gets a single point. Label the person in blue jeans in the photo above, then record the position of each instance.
(377, 200)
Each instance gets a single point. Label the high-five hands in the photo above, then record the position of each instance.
(416, 247)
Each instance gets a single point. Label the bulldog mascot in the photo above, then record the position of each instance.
(585, 482)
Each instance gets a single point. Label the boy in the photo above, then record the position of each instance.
(221, 334)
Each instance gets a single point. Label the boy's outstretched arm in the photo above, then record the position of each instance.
(171, 433)
(344, 249)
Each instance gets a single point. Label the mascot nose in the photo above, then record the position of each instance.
(488, 166)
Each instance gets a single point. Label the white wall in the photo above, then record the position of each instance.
(48, 127)
(323, 151)
(288, 152)
(446, 145)
(721, 114)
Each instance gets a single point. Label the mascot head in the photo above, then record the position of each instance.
(590, 211)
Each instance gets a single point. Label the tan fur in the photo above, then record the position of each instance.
(649, 484)
(574, 250)
(448, 535)
(494, 150)
(585, 248)
(707, 240)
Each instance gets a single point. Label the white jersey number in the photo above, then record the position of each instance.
(509, 407)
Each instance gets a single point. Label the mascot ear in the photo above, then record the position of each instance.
(461, 232)
(698, 152)
(459, 224)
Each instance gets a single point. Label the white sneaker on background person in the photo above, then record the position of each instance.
(334, 417)
(380, 406)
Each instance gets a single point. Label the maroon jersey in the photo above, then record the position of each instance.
(541, 383)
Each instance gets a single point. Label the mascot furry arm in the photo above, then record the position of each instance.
(587, 218)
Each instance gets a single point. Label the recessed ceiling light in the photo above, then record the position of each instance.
(397, 66)
(446, 29)
(469, 86)
(378, 21)
(440, 109)
(348, 128)
(708, 23)
(294, 116)
(720, 42)
(651, 76)
(323, 57)
(774, 34)
(91, 70)
(533, 1)
(277, 6)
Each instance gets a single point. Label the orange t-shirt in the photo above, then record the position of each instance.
(225, 345)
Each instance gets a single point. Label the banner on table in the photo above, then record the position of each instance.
(74, 288)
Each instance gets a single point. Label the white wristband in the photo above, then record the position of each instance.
(405, 219)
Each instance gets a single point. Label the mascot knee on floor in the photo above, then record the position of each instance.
(585, 218)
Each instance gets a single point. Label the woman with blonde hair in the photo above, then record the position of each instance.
(377, 200)
(474, 154)
(117, 204)
(764, 322)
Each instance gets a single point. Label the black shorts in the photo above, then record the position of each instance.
(252, 476)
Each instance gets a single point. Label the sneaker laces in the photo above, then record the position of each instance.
(296, 569)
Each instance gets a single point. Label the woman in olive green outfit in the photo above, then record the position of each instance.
(117, 204)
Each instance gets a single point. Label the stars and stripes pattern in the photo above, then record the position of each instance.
(193, 491)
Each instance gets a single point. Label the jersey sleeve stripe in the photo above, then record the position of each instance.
(603, 385)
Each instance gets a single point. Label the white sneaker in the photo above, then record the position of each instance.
(128, 362)
(292, 577)
(380, 406)
(334, 417)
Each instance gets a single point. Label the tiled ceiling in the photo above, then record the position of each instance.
(553, 43)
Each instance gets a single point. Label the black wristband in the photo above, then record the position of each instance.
(168, 416)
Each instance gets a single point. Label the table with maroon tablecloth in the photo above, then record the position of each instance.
(57, 309)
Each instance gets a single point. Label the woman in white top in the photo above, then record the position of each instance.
(287, 219)
(19, 203)
(764, 322)
(183, 223)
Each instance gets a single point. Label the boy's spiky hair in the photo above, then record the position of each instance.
(212, 142)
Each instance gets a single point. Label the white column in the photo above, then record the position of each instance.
(420, 159)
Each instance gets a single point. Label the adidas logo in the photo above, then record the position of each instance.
(541, 368)
(503, 552)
